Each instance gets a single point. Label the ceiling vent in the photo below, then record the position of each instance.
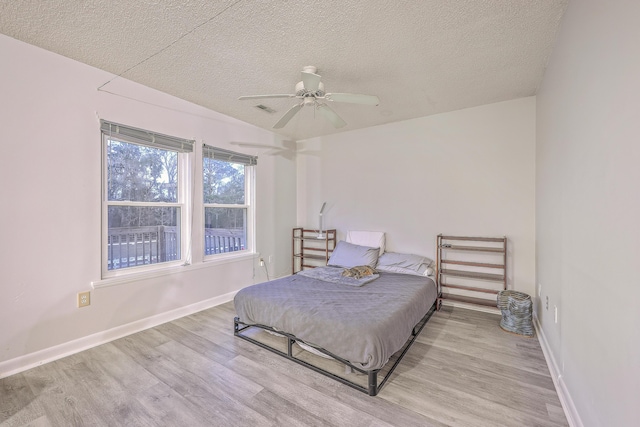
(265, 108)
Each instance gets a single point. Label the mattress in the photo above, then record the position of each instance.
(364, 325)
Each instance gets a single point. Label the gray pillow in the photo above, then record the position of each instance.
(349, 255)
(404, 263)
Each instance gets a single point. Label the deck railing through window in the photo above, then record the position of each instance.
(133, 246)
(219, 240)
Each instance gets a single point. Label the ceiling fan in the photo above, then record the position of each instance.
(273, 148)
(310, 92)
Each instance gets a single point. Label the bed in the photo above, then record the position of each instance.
(365, 324)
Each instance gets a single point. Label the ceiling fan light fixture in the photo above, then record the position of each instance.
(301, 90)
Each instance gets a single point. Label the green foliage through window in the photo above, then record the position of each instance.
(148, 199)
(225, 227)
(141, 174)
(148, 234)
(224, 182)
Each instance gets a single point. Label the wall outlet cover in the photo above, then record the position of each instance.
(84, 299)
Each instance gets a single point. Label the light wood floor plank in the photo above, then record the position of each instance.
(477, 377)
(197, 342)
(119, 366)
(282, 412)
(333, 412)
(18, 405)
(463, 370)
(196, 390)
(64, 401)
(110, 402)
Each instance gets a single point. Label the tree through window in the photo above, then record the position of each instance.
(148, 204)
(143, 205)
(227, 207)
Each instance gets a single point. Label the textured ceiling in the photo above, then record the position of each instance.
(420, 57)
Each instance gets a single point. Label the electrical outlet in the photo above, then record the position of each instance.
(547, 303)
(261, 262)
(84, 299)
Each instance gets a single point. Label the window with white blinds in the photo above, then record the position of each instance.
(227, 198)
(148, 201)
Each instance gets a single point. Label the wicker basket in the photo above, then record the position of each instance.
(516, 310)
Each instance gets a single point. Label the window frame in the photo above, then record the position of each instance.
(183, 190)
(190, 169)
(249, 203)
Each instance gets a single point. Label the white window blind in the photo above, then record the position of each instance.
(145, 137)
(228, 156)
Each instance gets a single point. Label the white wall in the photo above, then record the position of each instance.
(468, 172)
(588, 206)
(50, 184)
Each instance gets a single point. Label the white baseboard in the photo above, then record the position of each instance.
(570, 411)
(40, 357)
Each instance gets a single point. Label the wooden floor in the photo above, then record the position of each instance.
(463, 370)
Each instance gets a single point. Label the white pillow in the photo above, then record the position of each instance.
(349, 255)
(372, 239)
(405, 264)
(429, 271)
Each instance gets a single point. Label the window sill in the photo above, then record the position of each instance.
(169, 270)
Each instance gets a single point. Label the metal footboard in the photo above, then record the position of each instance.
(373, 383)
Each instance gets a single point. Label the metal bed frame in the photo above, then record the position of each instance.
(373, 386)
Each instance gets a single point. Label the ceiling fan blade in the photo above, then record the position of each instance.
(288, 116)
(331, 115)
(284, 95)
(353, 98)
(311, 81)
(254, 145)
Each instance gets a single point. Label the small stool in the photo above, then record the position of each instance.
(516, 310)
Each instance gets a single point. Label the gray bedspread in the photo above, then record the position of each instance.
(334, 275)
(365, 325)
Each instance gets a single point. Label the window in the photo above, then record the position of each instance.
(227, 198)
(144, 197)
(148, 201)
